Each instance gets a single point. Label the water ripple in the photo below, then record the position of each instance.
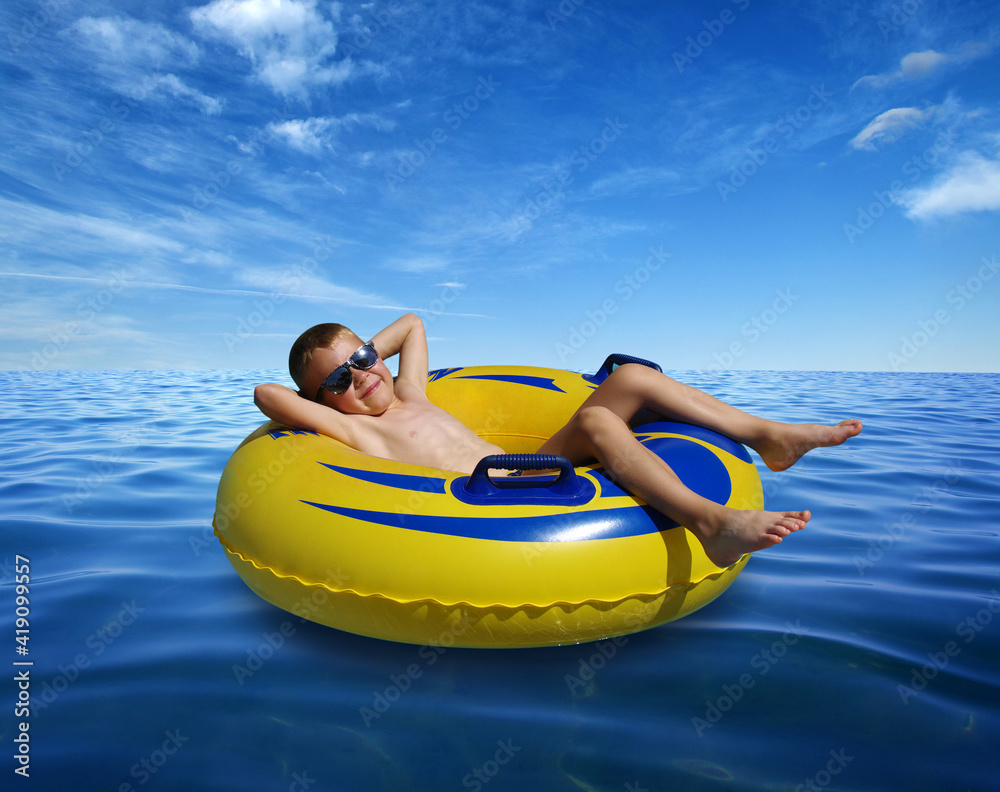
(874, 632)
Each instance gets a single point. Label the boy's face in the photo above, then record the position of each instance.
(370, 392)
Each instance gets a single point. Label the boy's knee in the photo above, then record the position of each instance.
(595, 420)
(632, 373)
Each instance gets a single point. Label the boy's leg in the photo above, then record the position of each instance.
(596, 432)
(632, 388)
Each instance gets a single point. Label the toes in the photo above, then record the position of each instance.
(800, 516)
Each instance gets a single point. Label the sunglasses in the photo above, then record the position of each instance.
(340, 379)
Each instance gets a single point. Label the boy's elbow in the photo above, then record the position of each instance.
(264, 396)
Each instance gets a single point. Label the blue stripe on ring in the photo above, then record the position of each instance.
(546, 383)
(395, 480)
(699, 433)
(603, 524)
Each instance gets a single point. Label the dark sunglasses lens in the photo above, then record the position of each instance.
(365, 358)
(343, 380)
(337, 381)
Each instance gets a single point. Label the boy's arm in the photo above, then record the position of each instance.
(287, 407)
(407, 338)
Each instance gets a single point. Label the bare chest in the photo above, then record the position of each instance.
(424, 434)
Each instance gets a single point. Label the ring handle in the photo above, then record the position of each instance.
(567, 487)
(615, 360)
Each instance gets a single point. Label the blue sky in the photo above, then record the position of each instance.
(720, 184)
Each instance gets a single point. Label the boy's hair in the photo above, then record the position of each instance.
(321, 336)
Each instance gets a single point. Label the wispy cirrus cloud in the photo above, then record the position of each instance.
(140, 59)
(312, 135)
(310, 286)
(889, 126)
(638, 179)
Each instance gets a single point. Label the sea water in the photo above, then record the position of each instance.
(863, 653)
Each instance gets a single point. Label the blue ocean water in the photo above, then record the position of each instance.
(861, 654)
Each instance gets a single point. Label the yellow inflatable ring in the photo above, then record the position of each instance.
(434, 557)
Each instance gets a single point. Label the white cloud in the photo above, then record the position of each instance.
(633, 179)
(131, 41)
(972, 184)
(312, 287)
(172, 85)
(289, 42)
(139, 59)
(917, 65)
(889, 127)
(309, 135)
(312, 135)
(911, 67)
(72, 235)
(429, 263)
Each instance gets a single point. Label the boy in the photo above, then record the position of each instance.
(347, 392)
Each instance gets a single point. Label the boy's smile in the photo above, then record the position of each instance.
(371, 389)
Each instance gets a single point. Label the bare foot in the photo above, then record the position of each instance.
(730, 533)
(792, 441)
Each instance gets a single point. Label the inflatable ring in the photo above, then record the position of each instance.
(434, 557)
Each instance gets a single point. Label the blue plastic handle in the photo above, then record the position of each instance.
(613, 361)
(567, 488)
